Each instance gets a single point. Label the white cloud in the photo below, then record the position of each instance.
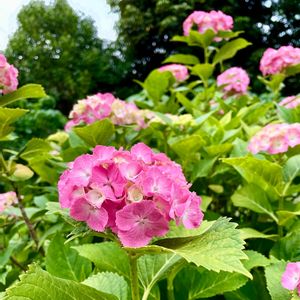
(98, 10)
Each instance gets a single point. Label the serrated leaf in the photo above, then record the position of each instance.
(37, 284)
(250, 233)
(219, 248)
(255, 259)
(26, 91)
(230, 49)
(64, 262)
(152, 268)
(185, 59)
(98, 133)
(7, 117)
(273, 275)
(110, 283)
(107, 256)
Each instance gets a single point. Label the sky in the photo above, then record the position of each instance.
(98, 10)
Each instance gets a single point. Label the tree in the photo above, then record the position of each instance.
(60, 49)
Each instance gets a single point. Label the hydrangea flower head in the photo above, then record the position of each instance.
(215, 20)
(133, 193)
(8, 76)
(275, 138)
(7, 199)
(100, 106)
(235, 81)
(291, 277)
(275, 61)
(290, 102)
(180, 72)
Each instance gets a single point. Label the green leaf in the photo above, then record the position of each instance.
(37, 284)
(8, 116)
(250, 233)
(110, 283)
(289, 115)
(152, 268)
(201, 39)
(219, 248)
(292, 70)
(201, 283)
(185, 59)
(203, 167)
(265, 174)
(255, 259)
(36, 150)
(98, 133)
(26, 91)
(188, 105)
(204, 71)
(291, 169)
(230, 49)
(273, 275)
(107, 256)
(64, 262)
(254, 198)
(228, 34)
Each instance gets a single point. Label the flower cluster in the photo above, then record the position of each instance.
(290, 102)
(8, 76)
(100, 106)
(134, 193)
(234, 81)
(7, 199)
(291, 277)
(215, 20)
(275, 61)
(180, 72)
(275, 138)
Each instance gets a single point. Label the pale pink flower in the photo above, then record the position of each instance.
(214, 20)
(180, 72)
(7, 199)
(276, 61)
(290, 102)
(234, 81)
(139, 222)
(275, 138)
(291, 277)
(8, 76)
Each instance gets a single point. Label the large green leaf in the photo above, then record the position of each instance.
(152, 268)
(255, 259)
(273, 275)
(219, 248)
(110, 283)
(107, 256)
(8, 116)
(36, 150)
(230, 49)
(26, 91)
(250, 233)
(291, 169)
(64, 262)
(201, 39)
(37, 284)
(204, 71)
(292, 70)
(254, 198)
(98, 133)
(185, 59)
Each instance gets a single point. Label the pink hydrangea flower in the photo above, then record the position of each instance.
(8, 76)
(291, 277)
(290, 102)
(275, 138)
(100, 106)
(215, 20)
(134, 193)
(275, 61)
(7, 200)
(180, 72)
(234, 81)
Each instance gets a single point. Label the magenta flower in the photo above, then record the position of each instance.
(146, 188)
(7, 200)
(234, 81)
(275, 138)
(8, 76)
(275, 61)
(139, 222)
(180, 72)
(291, 277)
(214, 20)
(290, 102)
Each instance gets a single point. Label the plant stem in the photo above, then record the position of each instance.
(135, 294)
(171, 277)
(16, 263)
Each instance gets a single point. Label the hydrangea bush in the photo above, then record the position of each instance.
(189, 189)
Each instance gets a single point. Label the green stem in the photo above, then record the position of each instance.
(171, 277)
(135, 294)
